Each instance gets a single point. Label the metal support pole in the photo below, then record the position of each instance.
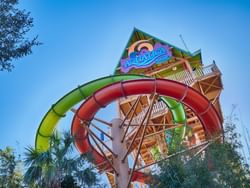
(121, 179)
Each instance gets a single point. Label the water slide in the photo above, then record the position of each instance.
(203, 108)
(59, 109)
(175, 136)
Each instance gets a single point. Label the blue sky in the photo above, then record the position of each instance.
(83, 40)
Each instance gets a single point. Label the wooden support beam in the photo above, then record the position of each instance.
(190, 70)
(216, 97)
(192, 119)
(201, 90)
(132, 116)
(133, 107)
(95, 136)
(130, 99)
(172, 155)
(102, 121)
(178, 153)
(141, 141)
(104, 163)
(211, 84)
(106, 134)
(148, 142)
(211, 95)
(158, 124)
(200, 131)
(201, 150)
(135, 135)
(157, 132)
(103, 153)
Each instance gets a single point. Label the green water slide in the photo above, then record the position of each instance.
(59, 109)
(174, 137)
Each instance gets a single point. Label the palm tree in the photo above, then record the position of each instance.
(59, 166)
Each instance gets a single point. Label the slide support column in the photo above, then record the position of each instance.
(121, 179)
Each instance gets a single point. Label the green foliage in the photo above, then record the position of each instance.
(59, 166)
(220, 166)
(69, 182)
(14, 26)
(10, 172)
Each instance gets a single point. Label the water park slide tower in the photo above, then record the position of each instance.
(152, 57)
(167, 99)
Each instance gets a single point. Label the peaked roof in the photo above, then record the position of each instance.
(137, 35)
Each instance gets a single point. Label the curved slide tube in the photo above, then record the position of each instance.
(58, 110)
(178, 91)
(175, 136)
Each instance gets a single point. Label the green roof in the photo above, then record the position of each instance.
(136, 35)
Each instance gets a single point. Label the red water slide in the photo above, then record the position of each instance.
(203, 108)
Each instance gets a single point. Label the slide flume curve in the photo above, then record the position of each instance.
(203, 108)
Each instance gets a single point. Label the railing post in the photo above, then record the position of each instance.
(190, 70)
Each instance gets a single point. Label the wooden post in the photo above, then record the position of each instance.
(190, 70)
(122, 176)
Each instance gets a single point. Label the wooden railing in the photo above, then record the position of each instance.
(182, 76)
(158, 108)
(199, 73)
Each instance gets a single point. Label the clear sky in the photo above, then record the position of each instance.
(83, 40)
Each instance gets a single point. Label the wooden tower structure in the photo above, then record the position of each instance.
(181, 66)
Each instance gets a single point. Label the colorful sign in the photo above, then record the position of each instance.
(146, 56)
